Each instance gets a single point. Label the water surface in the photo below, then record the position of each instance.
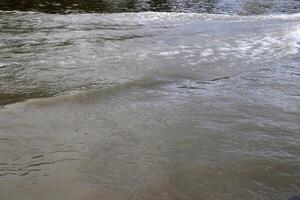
(191, 104)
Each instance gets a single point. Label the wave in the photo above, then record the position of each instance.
(62, 53)
(160, 16)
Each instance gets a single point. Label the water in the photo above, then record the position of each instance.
(198, 103)
(244, 7)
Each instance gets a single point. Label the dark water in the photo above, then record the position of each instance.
(103, 100)
(244, 7)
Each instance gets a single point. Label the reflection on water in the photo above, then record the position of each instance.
(203, 6)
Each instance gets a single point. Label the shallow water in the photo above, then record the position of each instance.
(150, 105)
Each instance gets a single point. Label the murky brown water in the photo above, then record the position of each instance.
(150, 105)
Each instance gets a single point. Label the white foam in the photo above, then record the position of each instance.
(294, 38)
(207, 52)
(141, 18)
(169, 53)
